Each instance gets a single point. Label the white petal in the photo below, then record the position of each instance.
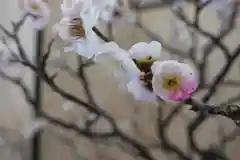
(142, 50)
(109, 47)
(155, 67)
(155, 49)
(72, 8)
(106, 9)
(43, 16)
(106, 16)
(188, 73)
(90, 17)
(111, 53)
(169, 66)
(66, 5)
(85, 48)
(138, 51)
(62, 29)
(157, 84)
(103, 3)
(140, 93)
(40, 23)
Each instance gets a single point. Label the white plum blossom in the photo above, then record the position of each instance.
(75, 29)
(173, 80)
(38, 10)
(121, 62)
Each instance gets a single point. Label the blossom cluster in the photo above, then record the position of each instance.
(140, 68)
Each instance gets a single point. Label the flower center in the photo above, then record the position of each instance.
(145, 67)
(146, 60)
(172, 83)
(35, 7)
(77, 28)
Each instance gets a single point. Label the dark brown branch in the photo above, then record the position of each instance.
(82, 131)
(47, 54)
(83, 78)
(215, 40)
(221, 75)
(230, 111)
(19, 82)
(162, 126)
(226, 83)
(100, 35)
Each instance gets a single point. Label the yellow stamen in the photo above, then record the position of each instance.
(142, 74)
(77, 28)
(147, 60)
(172, 82)
(35, 7)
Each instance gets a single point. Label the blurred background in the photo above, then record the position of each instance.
(136, 118)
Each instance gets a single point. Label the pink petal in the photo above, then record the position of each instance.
(189, 87)
(179, 95)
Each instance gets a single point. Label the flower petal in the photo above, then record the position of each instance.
(40, 23)
(157, 85)
(86, 48)
(62, 29)
(138, 51)
(42, 15)
(169, 66)
(111, 53)
(140, 93)
(155, 48)
(90, 17)
(142, 50)
(72, 8)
